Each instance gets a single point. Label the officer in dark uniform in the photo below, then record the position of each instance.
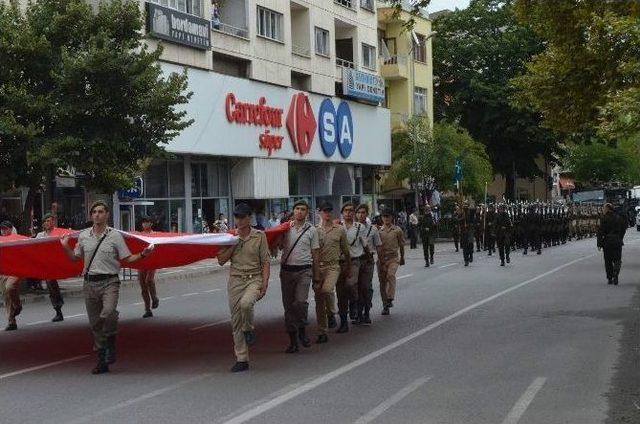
(465, 227)
(504, 227)
(455, 230)
(489, 230)
(610, 240)
(427, 228)
(479, 228)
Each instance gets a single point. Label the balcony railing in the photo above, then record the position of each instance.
(349, 4)
(395, 60)
(300, 50)
(230, 29)
(343, 63)
(368, 5)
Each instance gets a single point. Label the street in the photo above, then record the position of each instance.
(543, 340)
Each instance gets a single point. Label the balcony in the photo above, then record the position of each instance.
(300, 50)
(230, 18)
(349, 4)
(394, 67)
(368, 5)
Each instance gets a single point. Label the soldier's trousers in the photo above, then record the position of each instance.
(387, 268)
(325, 294)
(10, 287)
(612, 261)
(479, 240)
(243, 292)
(490, 242)
(504, 248)
(54, 294)
(365, 279)
(466, 242)
(456, 241)
(347, 288)
(428, 247)
(295, 295)
(147, 287)
(101, 301)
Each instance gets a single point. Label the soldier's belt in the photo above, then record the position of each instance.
(327, 263)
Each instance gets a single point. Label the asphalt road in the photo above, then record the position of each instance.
(543, 340)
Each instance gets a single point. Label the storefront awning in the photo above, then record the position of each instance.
(567, 183)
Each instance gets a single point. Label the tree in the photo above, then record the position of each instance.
(598, 162)
(79, 88)
(419, 154)
(586, 79)
(477, 52)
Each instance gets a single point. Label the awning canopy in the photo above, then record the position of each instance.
(567, 183)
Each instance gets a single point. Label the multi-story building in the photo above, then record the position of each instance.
(285, 105)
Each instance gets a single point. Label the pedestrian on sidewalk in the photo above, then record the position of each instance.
(10, 286)
(392, 239)
(298, 267)
(146, 278)
(413, 230)
(333, 243)
(372, 245)
(347, 288)
(610, 240)
(55, 296)
(248, 282)
(102, 248)
(427, 228)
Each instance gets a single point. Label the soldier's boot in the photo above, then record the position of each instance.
(353, 309)
(524, 252)
(102, 366)
(426, 263)
(508, 259)
(431, 258)
(366, 318)
(302, 336)
(344, 324)
(358, 319)
(539, 251)
(322, 338)
(293, 343)
(385, 310)
(59, 317)
(331, 321)
(12, 326)
(110, 350)
(501, 262)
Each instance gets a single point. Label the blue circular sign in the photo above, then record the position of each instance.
(328, 127)
(344, 129)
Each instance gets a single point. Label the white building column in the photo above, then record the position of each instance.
(188, 203)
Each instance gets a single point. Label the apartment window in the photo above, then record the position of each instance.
(322, 42)
(270, 24)
(420, 49)
(367, 4)
(193, 7)
(419, 101)
(368, 56)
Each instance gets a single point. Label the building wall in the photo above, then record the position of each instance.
(535, 189)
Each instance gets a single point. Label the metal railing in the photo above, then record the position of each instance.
(395, 60)
(345, 3)
(343, 63)
(230, 29)
(300, 50)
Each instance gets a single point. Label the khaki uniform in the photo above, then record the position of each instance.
(333, 243)
(245, 282)
(347, 288)
(392, 238)
(55, 296)
(102, 282)
(295, 274)
(367, 262)
(10, 287)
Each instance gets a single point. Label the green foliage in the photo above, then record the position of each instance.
(588, 73)
(419, 154)
(598, 163)
(477, 52)
(79, 88)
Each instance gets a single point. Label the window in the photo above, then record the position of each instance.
(368, 56)
(368, 5)
(193, 7)
(419, 101)
(322, 42)
(420, 49)
(270, 24)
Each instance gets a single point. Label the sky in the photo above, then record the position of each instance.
(437, 5)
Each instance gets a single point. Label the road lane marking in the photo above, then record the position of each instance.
(75, 316)
(167, 298)
(190, 294)
(43, 366)
(137, 304)
(525, 400)
(147, 396)
(397, 397)
(212, 290)
(404, 276)
(39, 322)
(211, 324)
(277, 401)
(448, 265)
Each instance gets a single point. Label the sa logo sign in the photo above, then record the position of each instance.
(335, 128)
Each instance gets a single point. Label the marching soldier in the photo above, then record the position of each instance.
(299, 265)
(372, 245)
(146, 278)
(392, 244)
(48, 225)
(503, 227)
(333, 243)
(427, 226)
(465, 228)
(489, 231)
(347, 288)
(11, 288)
(610, 240)
(102, 249)
(478, 228)
(248, 282)
(455, 229)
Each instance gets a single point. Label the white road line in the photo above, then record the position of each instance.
(382, 408)
(190, 294)
(267, 406)
(43, 366)
(75, 316)
(211, 324)
(448, 265)
(138, 304)
(38, 322)
(404, 276)
(167, 298)
(212, 290)
(525, 400)
(139, 399)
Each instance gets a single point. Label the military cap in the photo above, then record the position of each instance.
(326, 206)
(301, 202)
(242, 210)
(6, 224)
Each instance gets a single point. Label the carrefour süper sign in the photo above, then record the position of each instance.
(244, 118)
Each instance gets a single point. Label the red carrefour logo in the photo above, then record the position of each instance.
(301, 124)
